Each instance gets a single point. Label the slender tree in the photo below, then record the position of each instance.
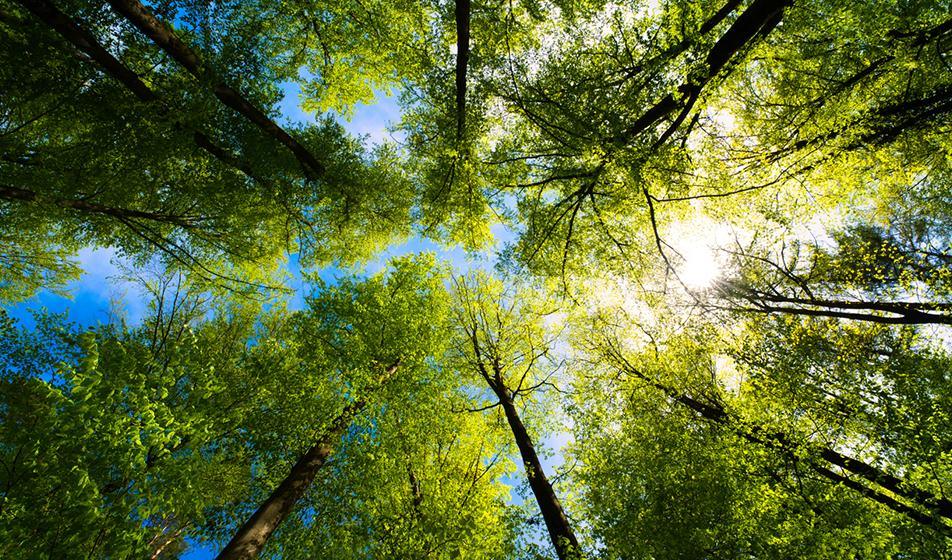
(506, 347)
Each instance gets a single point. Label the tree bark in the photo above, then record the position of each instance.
(681, 46)
(901, 313)
(557, 523)
(165, 38)
(250, 539)
(757, 20)
(85, 42)
(760, 17)
(462, 63)
(882, 124)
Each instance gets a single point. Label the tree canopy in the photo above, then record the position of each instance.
(716, 325)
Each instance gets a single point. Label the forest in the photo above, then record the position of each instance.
(704, 310)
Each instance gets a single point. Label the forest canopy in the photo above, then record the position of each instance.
(705, 312)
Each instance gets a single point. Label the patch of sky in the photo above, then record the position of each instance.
(370, 121)
(100, 295)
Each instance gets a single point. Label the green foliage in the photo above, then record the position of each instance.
(102, 448)
(706, 421)
(662, 480)
(75, 142)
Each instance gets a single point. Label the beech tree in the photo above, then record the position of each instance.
(725, 283)
(220, 190)
(504, 342)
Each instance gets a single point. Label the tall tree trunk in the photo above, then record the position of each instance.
(905, 317)
(85, 42)
(89, 45)
(255, 532)
(900, 312)
(164, 36)
(462, 63)
(560, 531)
(556, 522)
(668, 55)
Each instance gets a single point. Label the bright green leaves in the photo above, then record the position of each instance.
(133, 437)
(408, 475)
(708, 421)
(342, 51)
(360, 205)
(509, 334)
(673, 466)
(395, 318)
(420, 480)
(170, 173)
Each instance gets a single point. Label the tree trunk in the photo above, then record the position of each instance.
(255, 532)
(757, 20)
(14, 193)
(88, 44)
(906, 316)
(560, 531)
(165, 38)
(462, 63)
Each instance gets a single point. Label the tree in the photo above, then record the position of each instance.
(83, 125)
(683, 450)
(107, 431)
(796, 406)
(503, 341)
(868, 275)
(356, 329)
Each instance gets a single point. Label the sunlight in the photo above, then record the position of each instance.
(700, 267)
(697, 261)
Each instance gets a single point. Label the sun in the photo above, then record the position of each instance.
(700, 267)
(698, 260)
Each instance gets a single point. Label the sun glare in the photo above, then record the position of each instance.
(698, 262)
(700, 267)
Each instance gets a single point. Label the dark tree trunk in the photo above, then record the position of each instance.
(681, 46)
(560, 531)
(759, 19)
(163, 36)
(14, 193)
(255, 532)
(901, 314)
(462, 62)
(88, 44)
